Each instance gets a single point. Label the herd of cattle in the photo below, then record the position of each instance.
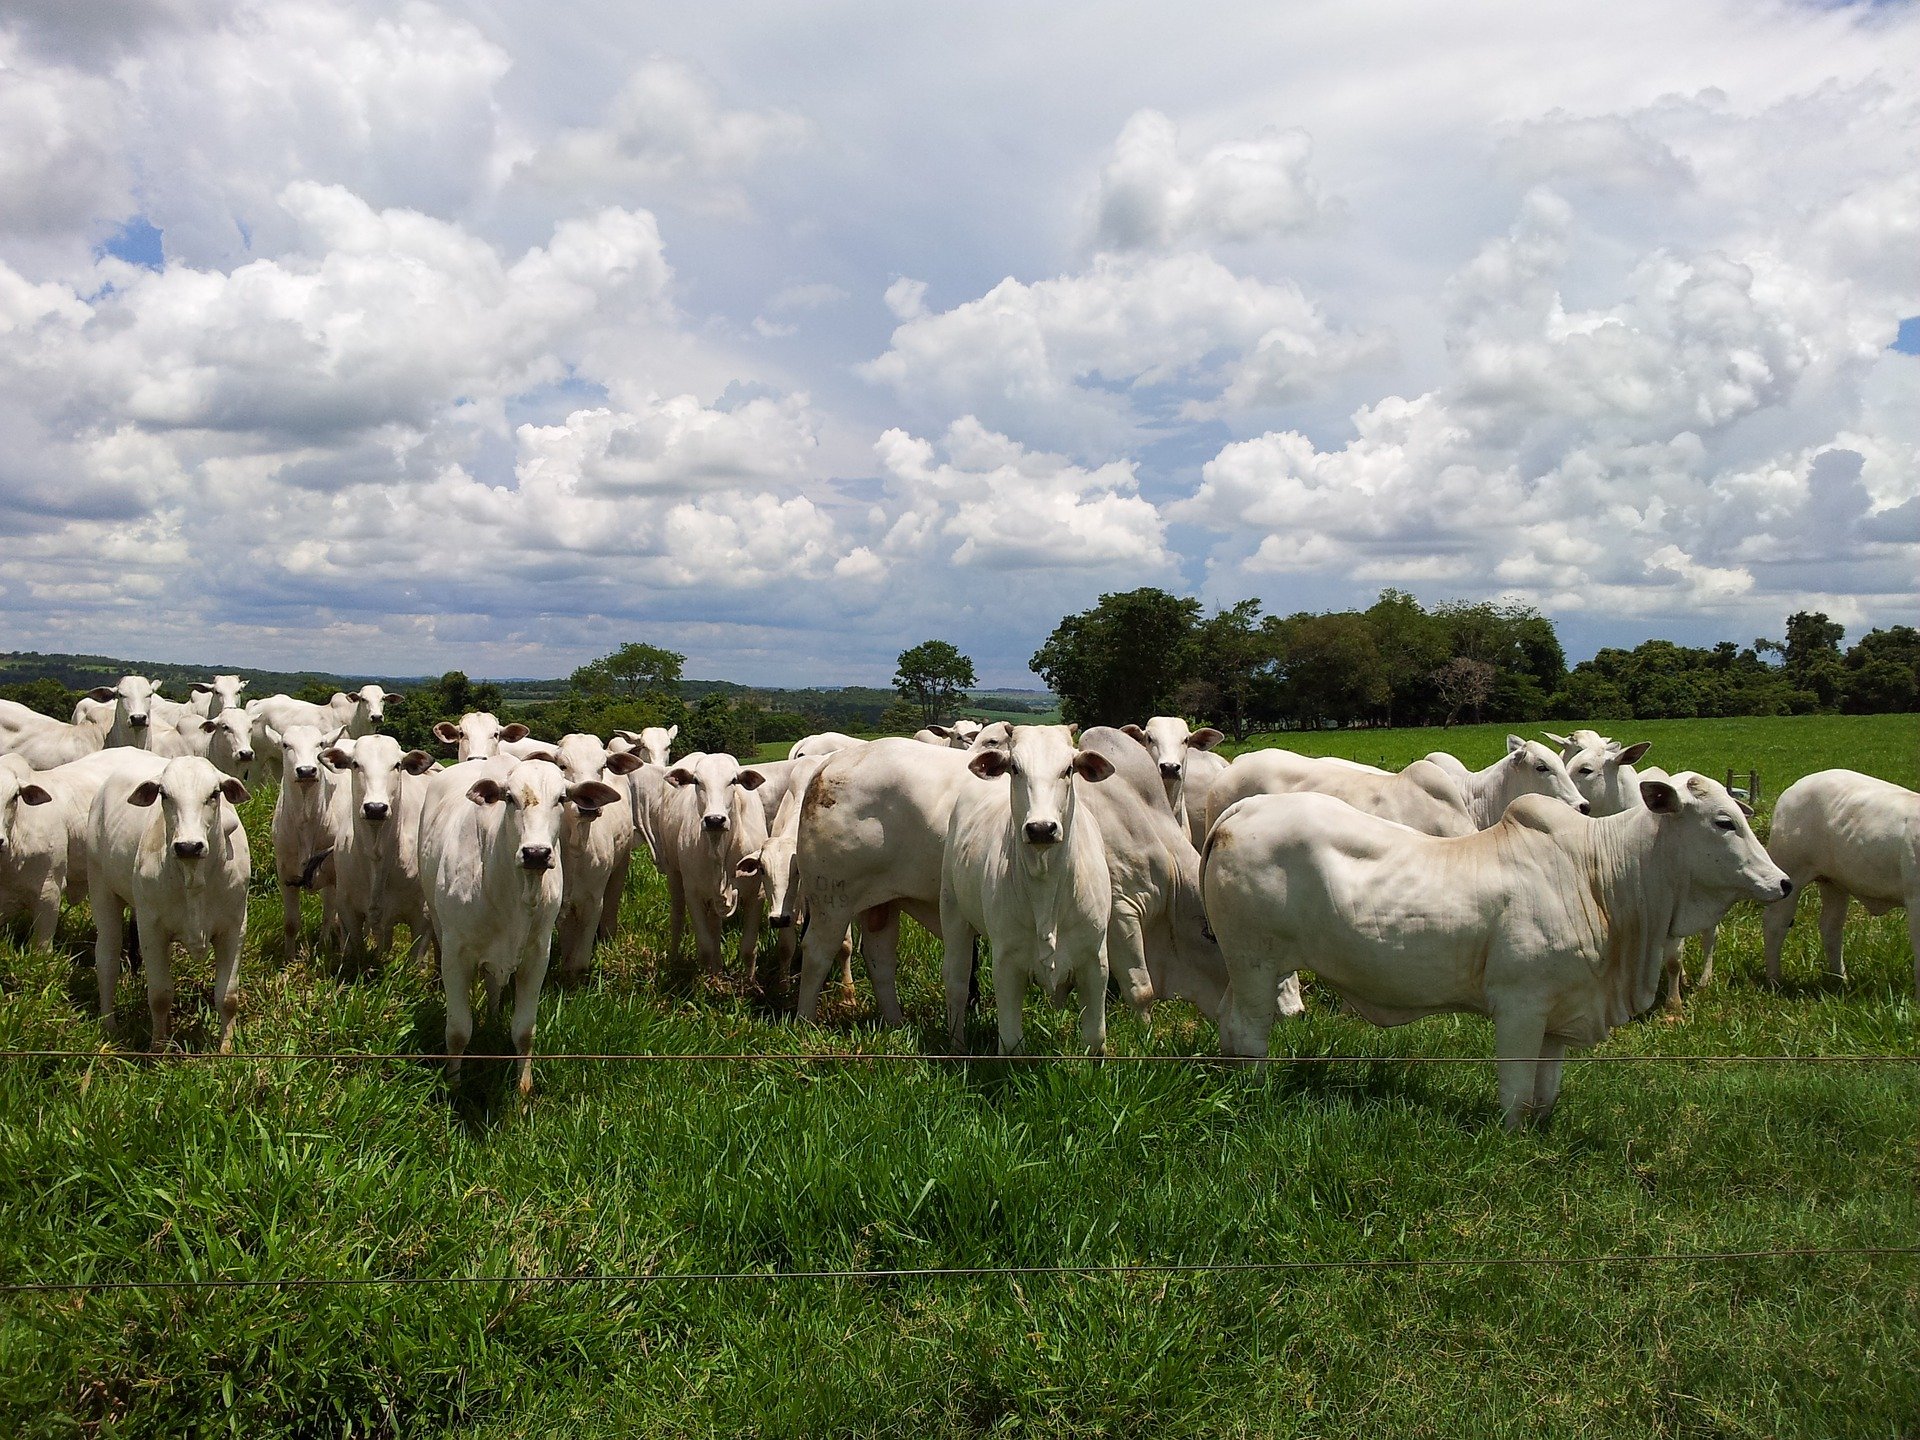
(1549, 890)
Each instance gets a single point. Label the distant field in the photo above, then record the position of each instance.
(265, 1169)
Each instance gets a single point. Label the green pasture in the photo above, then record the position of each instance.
(125, 1169)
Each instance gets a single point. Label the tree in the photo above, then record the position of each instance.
(1882, 672)
(1233, 681)
(900, 718)
(1329, 668)
(1122, 661)
(1412, 645)
(1811, 654)
(630, 672)
(46, 695)
(1463, 684)
(934, 676)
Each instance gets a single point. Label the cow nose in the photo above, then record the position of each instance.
(189, 849)
(714, 822)
(1786, 888)
(779, 922)
(1169, 770)
(243, 756)
(1585, 808)
(375, 809)
(306, 772)
(536, 857)
(1043, 832)
(139, 722)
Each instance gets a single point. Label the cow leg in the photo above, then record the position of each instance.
(456, 979)
(956, 964)
(109, 938)
(1010, 972)
(226, 996)
(1091, 977)
(825, 931)
(46, 915)
(1546, 1079)
(577, 933)
(749, 910)
(1708, 940)
(1833, 925)
(881, 947)
(1519, 1039)
(290, 917)
(676, 917)
(1913, 939)
(610, 903)
(1247, 1010)
(156, 950)
(1775, 920)
(526, 1004)
(1676, 968)
(1127, 958)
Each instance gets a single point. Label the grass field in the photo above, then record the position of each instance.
(117, 1169)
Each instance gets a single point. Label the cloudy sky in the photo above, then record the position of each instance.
(393, 338)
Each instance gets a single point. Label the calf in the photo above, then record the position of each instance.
(478, 735)
(1856, 837)
(33, 851)
(373, 829)
(1554, 926)
(1528, 768)
(596, 846)
(490, 868)
(712, 823)
(172, 849)
(778, 867)
(1025, 866)
(302, 842)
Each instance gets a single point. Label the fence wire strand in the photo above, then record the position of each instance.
(968, 1272)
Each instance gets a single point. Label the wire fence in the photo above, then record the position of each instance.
(1167, 1269)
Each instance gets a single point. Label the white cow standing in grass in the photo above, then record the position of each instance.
(172, 849)
(118, 716)
(490, 868)
(210, 697)
(1555, 926)
(1423, 796)
(596, 847)
(33, 851)
(1856, 837)
(302, 842)
(373, 827)
(478, 735)
(1528, 768)
(712, 824)
(1026, 867)
(1188, 767)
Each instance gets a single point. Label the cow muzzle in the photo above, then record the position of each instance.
(139, 722)
(190, 849)
(713, 822)
(1786, 888)
(243, 757)
(536, 857)
(306, 774)
(375, 811)
(1585, 808)
(780, 922)
(1169, 770)
(1042, 832)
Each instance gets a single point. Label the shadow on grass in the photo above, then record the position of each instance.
(486, 1093)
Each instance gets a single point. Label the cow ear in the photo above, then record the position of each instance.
(1515, 744)
(336, 757)
(680, 775)
(416, 762)
(103, 693)
(200, 687)
(485, 792)
(750, 780)
(1206, 738)
(673, 732)
(1073, 733)
(235, 792)
(942, 731)
(241, 686)
(593, 796)
(1092, 765)
(1632, 753)
(394, 694)
(515, 731)
(209, 726)
(624, 762)
(446, 732)
(1745, 809)
(1134, 732)
(1660, 797)
(34, 794)
(544, 757)
(1559, 740)
(145, 793)
(748, 867)
(989, 764)
(631, 737)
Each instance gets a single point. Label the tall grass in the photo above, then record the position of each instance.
(129, 1169)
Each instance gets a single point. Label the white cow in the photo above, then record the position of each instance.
(1602, 769)
(958, 736)
(359, 713)
(33, 851)
(210, 697)
(654, 744)
(479, 734)
(302, 843)
(18, 722)
(778, 866)
(373, 828)
(713, 823)
(1025, 866)
(1856, 837)
(1554, 926)
(825, 743)
(172, 849)
(1528, 768)
(1423, 796)
(1188, 779)
(596, 847)
(119, 716)
(489, 862)
(226, 739)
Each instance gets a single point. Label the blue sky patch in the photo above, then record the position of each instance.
(1907, 342)
(138, 243)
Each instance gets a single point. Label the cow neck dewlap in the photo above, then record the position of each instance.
(1638, 893)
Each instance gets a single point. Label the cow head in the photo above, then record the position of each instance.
(714, 778)
(654, 744)
(373, 765)
(300, 751)
(224, 690)
(1041, 761)
(1705, 840)
(17, 788)
(1533, 769)
(778, 868)
(231, 745)
(192, 797)
(533, 798)
(1168, 740)
(1602, 769)
(478, 736)
(584, 757)
(371, 701)
(133, 696)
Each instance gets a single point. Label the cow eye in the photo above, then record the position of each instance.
(1586, 769)
(1723, 823)
(1541, 768)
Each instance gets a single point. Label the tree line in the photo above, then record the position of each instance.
(1143, 652)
